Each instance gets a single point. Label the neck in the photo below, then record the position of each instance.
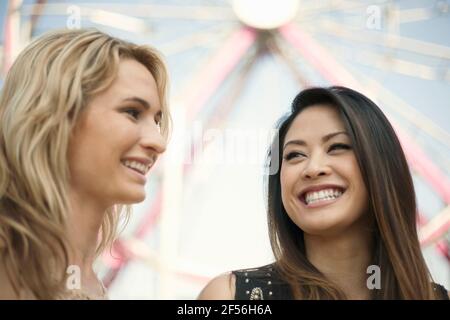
(343, 259)
(86, 217)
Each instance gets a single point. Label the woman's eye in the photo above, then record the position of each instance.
(133, 112)
(339, 146)
(292, 155)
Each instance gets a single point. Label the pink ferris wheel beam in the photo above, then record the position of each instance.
(425, 167)
(335, 73)
(318, 57)
(432, 231)
(436, 228)
(216, 70)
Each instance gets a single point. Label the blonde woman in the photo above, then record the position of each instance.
(83, 117)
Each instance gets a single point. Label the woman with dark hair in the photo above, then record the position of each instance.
(341, 209)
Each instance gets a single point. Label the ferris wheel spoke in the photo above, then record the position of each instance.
(150, 11)
(392, 41)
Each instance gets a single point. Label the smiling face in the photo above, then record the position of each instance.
(117, 139)
(321, 184)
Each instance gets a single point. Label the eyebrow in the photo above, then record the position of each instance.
(144, 103)
(324, 139)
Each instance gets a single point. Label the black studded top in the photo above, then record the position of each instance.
(265, 283)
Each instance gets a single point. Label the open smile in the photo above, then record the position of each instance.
(137, 171)
(321, 196)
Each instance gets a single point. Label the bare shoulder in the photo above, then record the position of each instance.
(448, 294)
(221, 287)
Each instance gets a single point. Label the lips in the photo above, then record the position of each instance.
(135, 170)
(137, 164)
(317, 194)
(137, 176)
(138, 167)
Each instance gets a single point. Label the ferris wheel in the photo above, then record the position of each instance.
(226, 58)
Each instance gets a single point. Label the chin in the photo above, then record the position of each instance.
(138, 199)
(134, 197)
(326, 229)
(322, 232)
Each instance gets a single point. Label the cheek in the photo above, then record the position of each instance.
(86, 161)
(354, 173)
(359, 190)
(112, 143)
(284, 181)
(362, 198)
(287, 182)
(123, 135)
(93, 150)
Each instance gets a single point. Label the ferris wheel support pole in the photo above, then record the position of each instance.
(171, 207)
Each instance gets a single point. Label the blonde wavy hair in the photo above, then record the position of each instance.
(46, 89)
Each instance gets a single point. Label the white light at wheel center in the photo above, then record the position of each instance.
(265, 14)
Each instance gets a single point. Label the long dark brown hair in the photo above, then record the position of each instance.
(392, 204)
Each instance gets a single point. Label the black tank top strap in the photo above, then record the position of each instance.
(261, 283)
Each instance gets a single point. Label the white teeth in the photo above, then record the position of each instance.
(142, 168)
(327, 194)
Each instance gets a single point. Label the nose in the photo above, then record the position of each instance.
(151, 138)
(315, 168)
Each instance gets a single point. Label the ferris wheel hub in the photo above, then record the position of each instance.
(265, 14)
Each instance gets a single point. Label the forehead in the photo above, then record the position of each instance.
(316, 120)
(134, 79)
